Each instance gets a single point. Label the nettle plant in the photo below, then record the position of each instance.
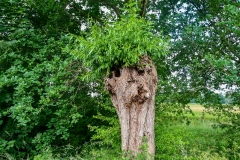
(120, 43)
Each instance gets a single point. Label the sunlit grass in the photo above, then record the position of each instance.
(200, 113)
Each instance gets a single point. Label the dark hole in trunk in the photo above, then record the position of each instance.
(115, 72)
(141, 72)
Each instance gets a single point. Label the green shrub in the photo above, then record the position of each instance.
(42, 100)
(171, 142)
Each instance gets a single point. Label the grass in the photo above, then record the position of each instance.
(199, 113)
(198, 140)
(201, 127)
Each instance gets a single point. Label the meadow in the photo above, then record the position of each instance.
(197, 140)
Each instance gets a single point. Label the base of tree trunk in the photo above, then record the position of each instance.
(132, 92)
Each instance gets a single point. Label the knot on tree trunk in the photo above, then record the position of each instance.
(137, 93)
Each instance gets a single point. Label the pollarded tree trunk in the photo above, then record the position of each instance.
(132, 92)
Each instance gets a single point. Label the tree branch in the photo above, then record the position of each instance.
(87, 14)
(144, 4)
(115, 9)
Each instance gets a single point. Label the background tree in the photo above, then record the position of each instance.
(205, 59)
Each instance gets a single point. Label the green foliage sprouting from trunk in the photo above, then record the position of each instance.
(119, 44)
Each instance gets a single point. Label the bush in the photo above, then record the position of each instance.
(42, 100)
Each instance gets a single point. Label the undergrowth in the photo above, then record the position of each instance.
(198, 140)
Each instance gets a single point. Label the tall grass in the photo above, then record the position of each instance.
(197, 140)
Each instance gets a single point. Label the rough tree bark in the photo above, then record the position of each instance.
(132, 91)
